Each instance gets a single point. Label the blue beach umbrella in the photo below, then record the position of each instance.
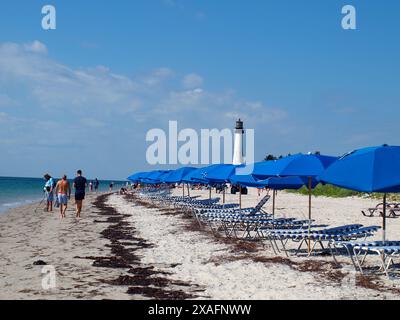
(221, 173)
(154, 177)
(176, 176)
(191, 178)
(136, 177)
(202, 173)
(372, 169)
(287, 183)
(274, 183)
(301, 165)
(306, 166)
(163, 176)
(247, 181)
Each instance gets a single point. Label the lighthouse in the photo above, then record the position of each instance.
(238, 144)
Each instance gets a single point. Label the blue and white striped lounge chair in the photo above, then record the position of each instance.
(387, 252)
(342, 233)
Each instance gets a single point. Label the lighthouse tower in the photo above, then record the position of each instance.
(238, 144)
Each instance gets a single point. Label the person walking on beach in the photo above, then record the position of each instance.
(111, 186)
(80, 184)
(49, 192)
(96, 185)
(63, 191)
(91, 186)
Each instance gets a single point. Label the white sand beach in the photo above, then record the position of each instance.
(126, 250)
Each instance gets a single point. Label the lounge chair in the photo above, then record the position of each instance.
(229, 208)
(348, 248)
(314, 237)
(387, 252)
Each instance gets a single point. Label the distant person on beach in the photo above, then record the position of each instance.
(80, 184)
(111, 186)
(63, 191)
(49, 192)
(96, 185)
(91, 186)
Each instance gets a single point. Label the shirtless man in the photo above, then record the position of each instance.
(63, 191)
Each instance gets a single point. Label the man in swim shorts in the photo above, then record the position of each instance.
(80, 184)
(63, 191)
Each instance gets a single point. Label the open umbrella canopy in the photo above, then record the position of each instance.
(274, 183)
(177, 176)
(154, 177)
(137, 176)
(289, 183)
(247, 181)
(200, 175)
(142, 175)
(221, 173)
(301, 165)
(373, 169)
(191, 178)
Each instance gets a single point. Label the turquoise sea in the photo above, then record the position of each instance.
(15, 192)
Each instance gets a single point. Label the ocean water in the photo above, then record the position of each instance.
(16, 192)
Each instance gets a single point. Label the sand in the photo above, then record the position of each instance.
(163, 254)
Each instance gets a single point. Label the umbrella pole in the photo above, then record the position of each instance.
(223, 195)
(273, 204)
(188, 189)
(183, 189)
(309, 212)
(240, 197)
(384, 218)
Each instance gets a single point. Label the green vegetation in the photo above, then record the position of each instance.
(336, 192)
(329, 191)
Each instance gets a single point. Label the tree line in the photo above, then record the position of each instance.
(271, 157)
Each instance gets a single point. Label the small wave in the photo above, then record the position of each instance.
(9, 205)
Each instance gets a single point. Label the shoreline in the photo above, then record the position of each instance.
(124, 248)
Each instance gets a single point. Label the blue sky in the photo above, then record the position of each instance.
(84, 95)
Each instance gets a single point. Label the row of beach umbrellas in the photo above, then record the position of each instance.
(372, 169)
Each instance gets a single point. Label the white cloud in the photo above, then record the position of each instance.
(157, 76)
(192, 81)
(100, 93)
(80, 99)
(36, 47)
(255, 112)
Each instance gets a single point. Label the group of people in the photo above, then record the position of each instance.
(60, 192)
(94, 185)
